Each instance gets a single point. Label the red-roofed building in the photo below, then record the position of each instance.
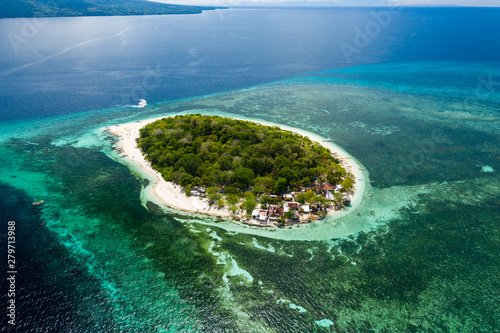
(274, 211)
(328, 187)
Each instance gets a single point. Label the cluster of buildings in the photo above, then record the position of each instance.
(326, 190)
(291, 209)
(296, 210)
(273, 212)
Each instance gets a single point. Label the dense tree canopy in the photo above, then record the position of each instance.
(50, 8)
(235, 155)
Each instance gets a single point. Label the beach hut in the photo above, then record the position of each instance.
(263, 215)
(290, 205)
(201, 192)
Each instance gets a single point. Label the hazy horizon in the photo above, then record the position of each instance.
(336, 3)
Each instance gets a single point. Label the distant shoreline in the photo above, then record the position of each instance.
(93, 8)
(171, 195)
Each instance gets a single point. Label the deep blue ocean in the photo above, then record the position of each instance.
(68, 65)
(412, 93)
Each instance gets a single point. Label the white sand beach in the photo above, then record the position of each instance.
(171, 194)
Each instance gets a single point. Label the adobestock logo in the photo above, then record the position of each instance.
(29, 30)
(487, 87)
(31, 27)
(152, 79)
(371, 30)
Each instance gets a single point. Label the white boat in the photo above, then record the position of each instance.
(142, 103)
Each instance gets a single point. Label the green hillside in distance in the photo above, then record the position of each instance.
(53, 8)
(236, 155)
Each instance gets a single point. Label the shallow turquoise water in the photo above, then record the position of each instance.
(422, 256)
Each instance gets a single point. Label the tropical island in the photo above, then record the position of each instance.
(262, 175)
(50, 8)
